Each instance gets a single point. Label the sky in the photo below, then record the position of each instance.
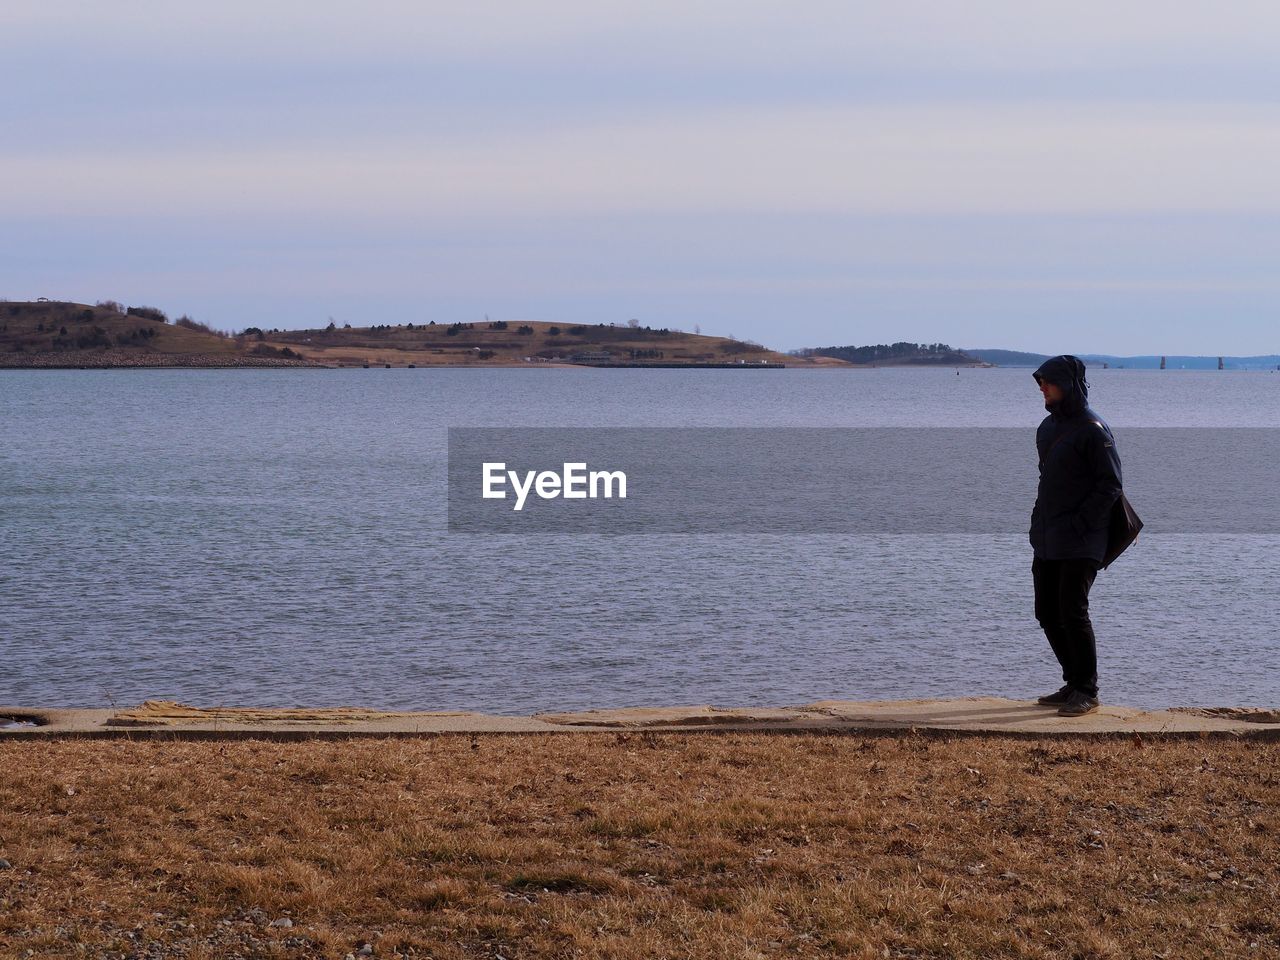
(1048, 176)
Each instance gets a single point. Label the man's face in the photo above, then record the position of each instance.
(1051, 392)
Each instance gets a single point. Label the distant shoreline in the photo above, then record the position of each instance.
(58, 361)
(205, 362)
(64, 335)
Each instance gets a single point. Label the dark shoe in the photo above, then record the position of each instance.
(1078, 704)
(1058, 698)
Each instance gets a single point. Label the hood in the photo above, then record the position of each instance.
(1068, 373)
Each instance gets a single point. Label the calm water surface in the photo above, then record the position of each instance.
(276, 537)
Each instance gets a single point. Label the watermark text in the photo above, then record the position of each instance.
(574, 482)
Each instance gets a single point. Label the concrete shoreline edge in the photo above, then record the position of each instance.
(169, 720)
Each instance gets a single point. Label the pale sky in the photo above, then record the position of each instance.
(1046, 176)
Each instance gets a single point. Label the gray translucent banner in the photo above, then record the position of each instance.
(837, 480)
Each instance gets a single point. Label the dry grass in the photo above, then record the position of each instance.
(629, 845)
(35, 326)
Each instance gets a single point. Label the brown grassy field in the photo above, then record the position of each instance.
(641, 845)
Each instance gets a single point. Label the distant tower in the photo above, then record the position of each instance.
(1220, 363)
(1162, 362)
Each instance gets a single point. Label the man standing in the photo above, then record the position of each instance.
(1079, 484)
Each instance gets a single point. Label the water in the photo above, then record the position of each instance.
(276, 538)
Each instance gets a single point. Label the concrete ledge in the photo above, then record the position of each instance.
(167, 719)
(701, 716)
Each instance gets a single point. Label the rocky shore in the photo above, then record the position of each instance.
(123, 359)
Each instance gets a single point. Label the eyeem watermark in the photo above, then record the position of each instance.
(574, 483)
(925, 481)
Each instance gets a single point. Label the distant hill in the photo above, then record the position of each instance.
(520, 342)
(56, 333)
(897, 354)
(108, 334)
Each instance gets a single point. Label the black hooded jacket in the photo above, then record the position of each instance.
(1079, 470)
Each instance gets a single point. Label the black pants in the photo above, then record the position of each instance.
(1062, 607)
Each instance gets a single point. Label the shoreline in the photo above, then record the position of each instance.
(968, 715)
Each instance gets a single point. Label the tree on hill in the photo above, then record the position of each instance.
(185, 321)
(150, 313)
